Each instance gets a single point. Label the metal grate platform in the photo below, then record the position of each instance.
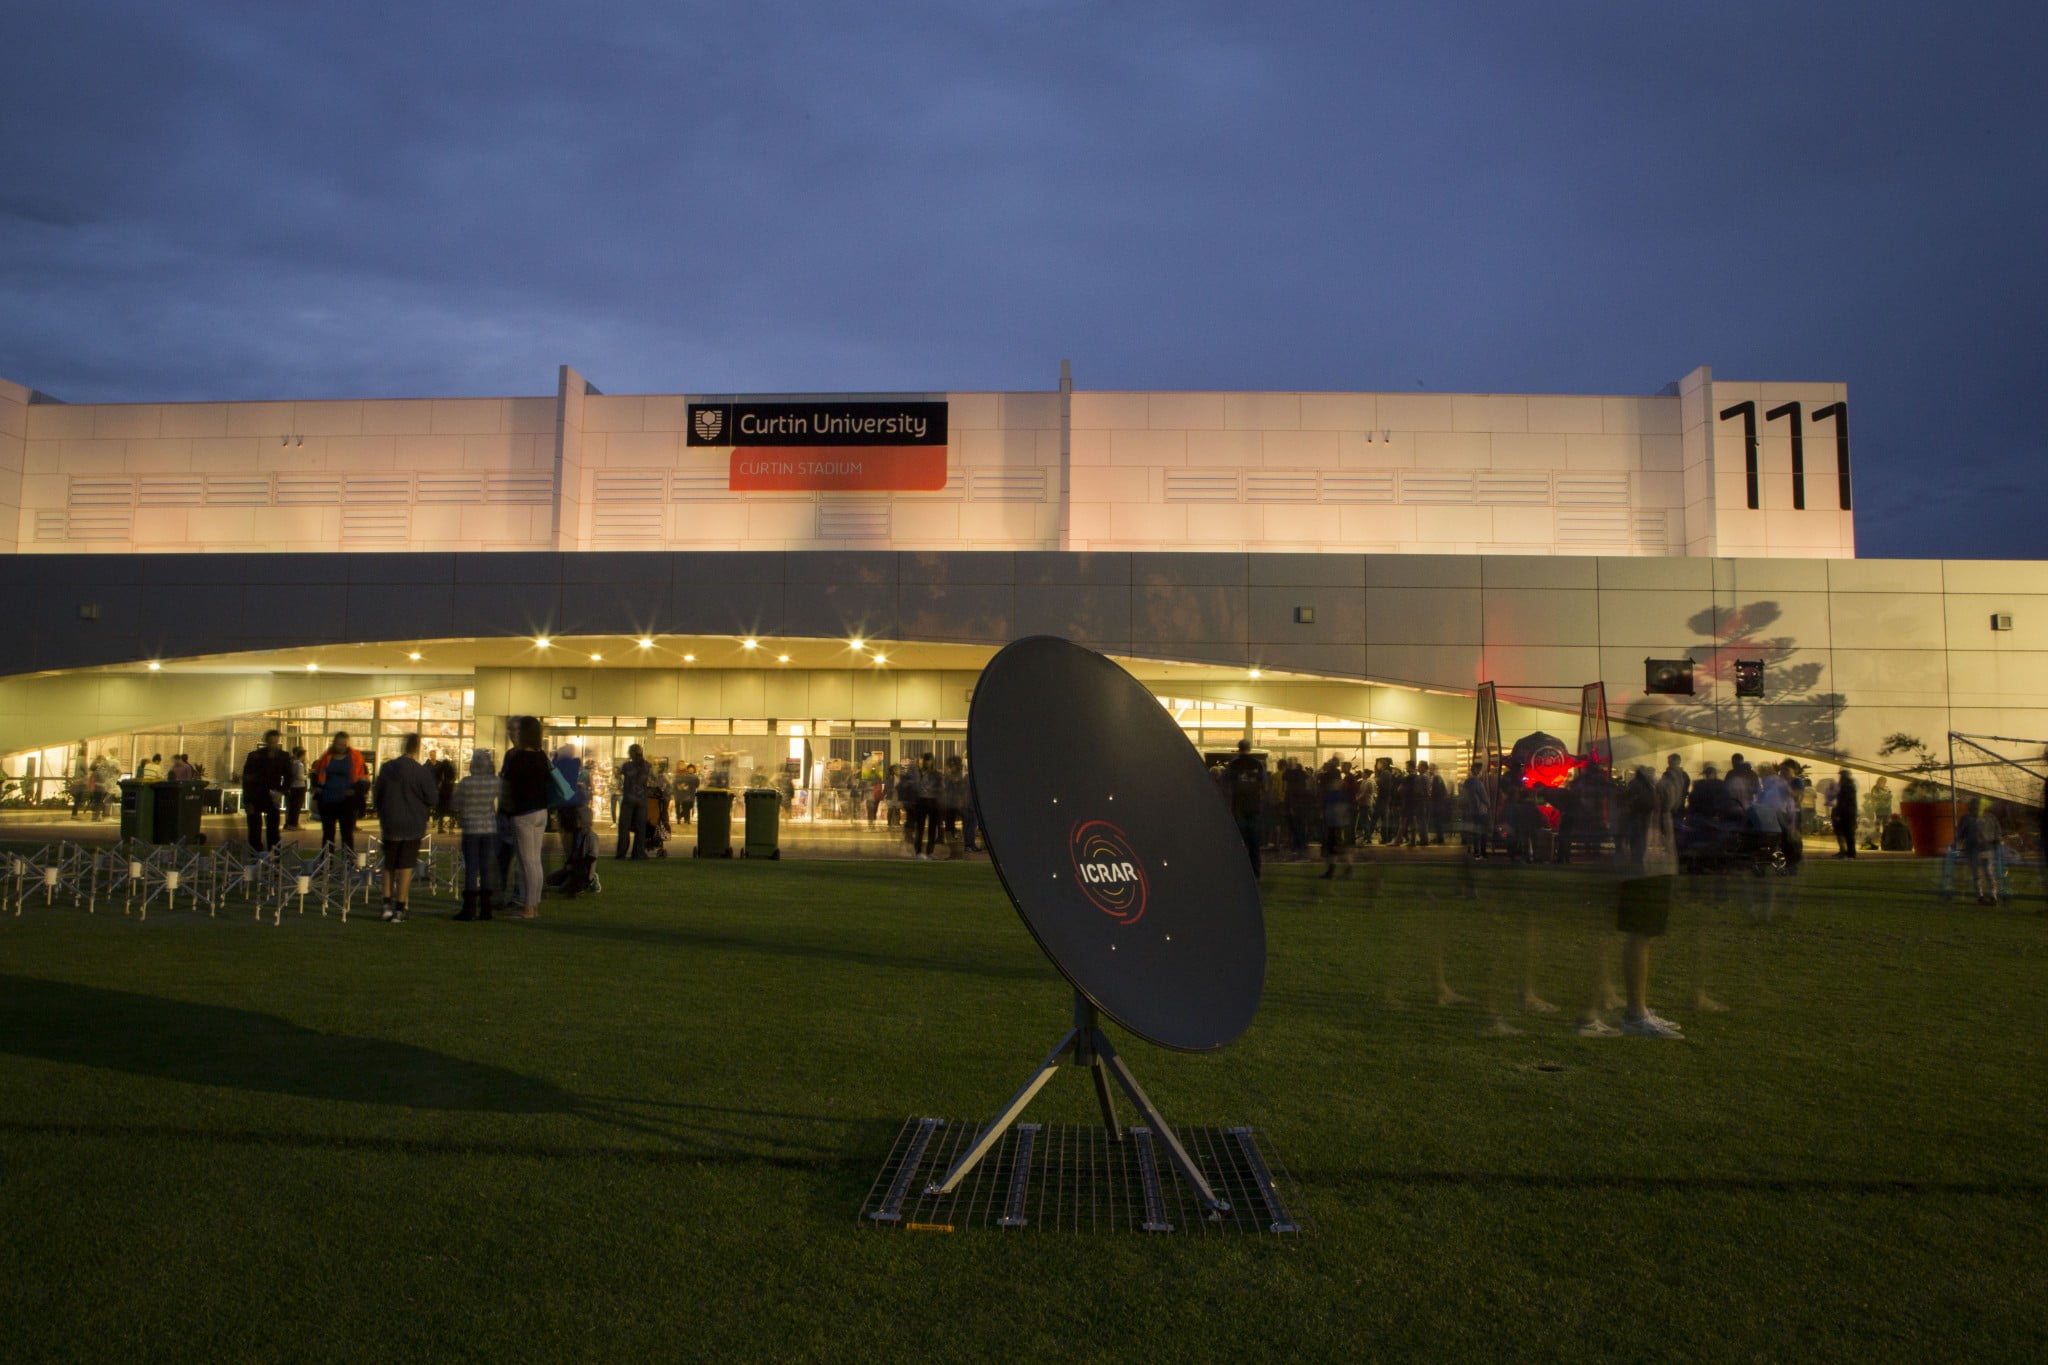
(1072, 1178)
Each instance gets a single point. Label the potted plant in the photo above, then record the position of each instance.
(1925, 804)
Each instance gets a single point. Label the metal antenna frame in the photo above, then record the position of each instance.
(1085, 1045)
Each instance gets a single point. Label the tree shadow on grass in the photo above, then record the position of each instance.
(215, 1045)
(179, 1040)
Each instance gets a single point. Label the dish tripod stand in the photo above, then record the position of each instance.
(1087, 1046)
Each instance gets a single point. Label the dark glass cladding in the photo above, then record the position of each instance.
(1115, 846)
(819, 423)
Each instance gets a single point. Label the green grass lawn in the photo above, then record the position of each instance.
(643, 1127)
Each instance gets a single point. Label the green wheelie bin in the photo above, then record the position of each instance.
(714, 824)
(179, 806)
(764, 824)
(138, 810)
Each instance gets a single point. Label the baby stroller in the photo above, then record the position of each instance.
(578, 872)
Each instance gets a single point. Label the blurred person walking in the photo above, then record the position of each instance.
(442, 769)
(1844, 815)
(925, 787)
(687, 783)
(1244, 779)
(294, 788)
(952, 799)
(1877, 812)
(103, 781)
(1978, 840)
(572, 817)
(634, 777)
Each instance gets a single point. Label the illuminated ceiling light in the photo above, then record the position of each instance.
(881, 658)
(689, 658)
(856, 642)
(782, 658)
(597, 658)
(542, 642)
(414, 655)
(155, 667)
(647, 644)
(1254, 673)
(312, 668)
(750, 644)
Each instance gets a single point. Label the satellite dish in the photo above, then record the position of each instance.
(1116, 848)
(1111, 839)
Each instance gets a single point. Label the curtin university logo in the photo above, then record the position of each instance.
(1108, 870)
(709, 424)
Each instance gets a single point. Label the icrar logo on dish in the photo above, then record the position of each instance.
(1108, 870)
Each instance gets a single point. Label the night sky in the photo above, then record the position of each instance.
(237, 201)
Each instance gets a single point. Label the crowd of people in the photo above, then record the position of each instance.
(1753, 817)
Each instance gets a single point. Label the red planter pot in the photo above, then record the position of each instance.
(1933, 824)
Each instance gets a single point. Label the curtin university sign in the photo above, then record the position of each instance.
(826, 444)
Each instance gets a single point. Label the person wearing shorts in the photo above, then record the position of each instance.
(406, 795)
(1643, 913)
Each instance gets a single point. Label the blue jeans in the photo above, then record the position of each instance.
(479, 851)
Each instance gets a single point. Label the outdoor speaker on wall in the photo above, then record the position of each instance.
(1749, 677)
(2001, 620)
(1668, 677)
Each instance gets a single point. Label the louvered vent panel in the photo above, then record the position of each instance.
(467, 489)
(1593, 527)
(376, 523)
(693, 485)
(100, 526)
(101, 493)
(52, 526)
(1436, 487)
(300, 490)
(853, 521)
(186, 491)
(1651, 530)
(1201, 485)
(627, 521)
(527, 489)
(630, 485)
(1280, 485)
(1358, 485)
(1006, 485)
(1592, 490)
(1506, 488)
(237, 490)
(378, 490)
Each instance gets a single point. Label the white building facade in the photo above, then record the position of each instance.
(1707, 469)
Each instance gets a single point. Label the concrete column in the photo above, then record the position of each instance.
(1066, 453)
(1696, 423)
(571, 530)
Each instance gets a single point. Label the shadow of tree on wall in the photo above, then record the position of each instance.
(1793, 714)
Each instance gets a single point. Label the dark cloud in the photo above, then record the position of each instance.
(249, 200)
